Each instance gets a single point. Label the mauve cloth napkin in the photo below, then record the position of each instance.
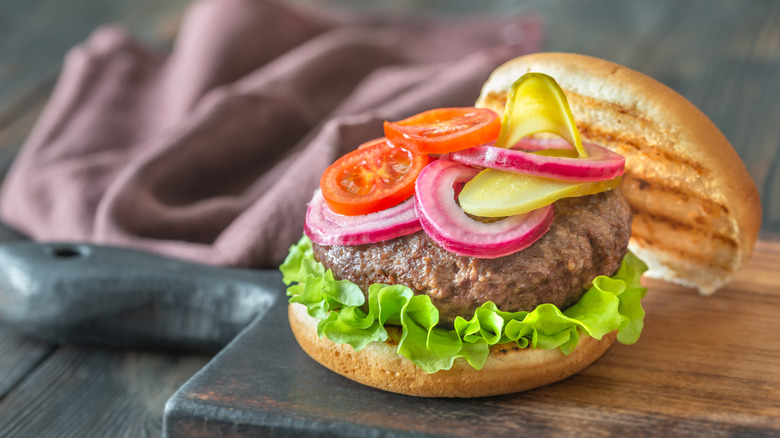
(212, 152)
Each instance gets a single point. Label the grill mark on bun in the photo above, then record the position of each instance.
(663, 247)
(632, 136)
(646, 184)
(679, 252)
(595, 135)
(626, 144)
(678, 225)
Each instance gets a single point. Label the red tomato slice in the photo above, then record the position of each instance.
(445, 130)
(372, 142)
(376, 176)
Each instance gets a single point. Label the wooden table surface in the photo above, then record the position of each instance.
(722, 55)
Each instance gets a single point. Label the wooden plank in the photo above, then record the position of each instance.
(36, 34)
(85, 392)
(73, 391)
(704, 366)
(19, 354)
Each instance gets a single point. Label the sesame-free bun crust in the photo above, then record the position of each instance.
(696, 211)
(506, 371)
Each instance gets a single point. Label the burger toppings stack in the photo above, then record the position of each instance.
(506, 174)
(478, 187)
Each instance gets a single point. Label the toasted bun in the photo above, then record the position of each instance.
(696, 211)
(506, 371)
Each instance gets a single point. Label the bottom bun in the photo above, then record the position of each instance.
(508, 369)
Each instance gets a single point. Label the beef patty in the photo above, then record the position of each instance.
(588, 237)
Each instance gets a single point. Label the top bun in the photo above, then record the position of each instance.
(696, 211)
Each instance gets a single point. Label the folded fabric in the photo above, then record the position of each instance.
(211, 153)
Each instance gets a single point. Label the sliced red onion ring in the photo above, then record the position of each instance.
(601, 164)
(325, 227)
(449, 226)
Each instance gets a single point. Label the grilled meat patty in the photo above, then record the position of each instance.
(588, 237)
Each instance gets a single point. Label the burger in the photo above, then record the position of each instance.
(497, 248)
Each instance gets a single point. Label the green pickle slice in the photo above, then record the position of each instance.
(497, 193)
(536, 104)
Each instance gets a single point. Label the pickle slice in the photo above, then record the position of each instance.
(536, 103)
(497, 193)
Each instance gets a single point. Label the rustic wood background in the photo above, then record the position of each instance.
(722, 55)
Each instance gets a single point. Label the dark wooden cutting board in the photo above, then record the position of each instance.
(706, 366)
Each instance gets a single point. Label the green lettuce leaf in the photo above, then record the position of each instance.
(612, 303)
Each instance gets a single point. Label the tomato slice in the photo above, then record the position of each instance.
(376, 176)
(445, 130)
(372, 142)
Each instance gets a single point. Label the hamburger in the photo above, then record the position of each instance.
(481, 280)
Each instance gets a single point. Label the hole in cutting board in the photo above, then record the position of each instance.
(66, 251)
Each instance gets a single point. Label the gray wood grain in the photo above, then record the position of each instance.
(36, 34)
(19, 355)
(84, 392)
(47, 390)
